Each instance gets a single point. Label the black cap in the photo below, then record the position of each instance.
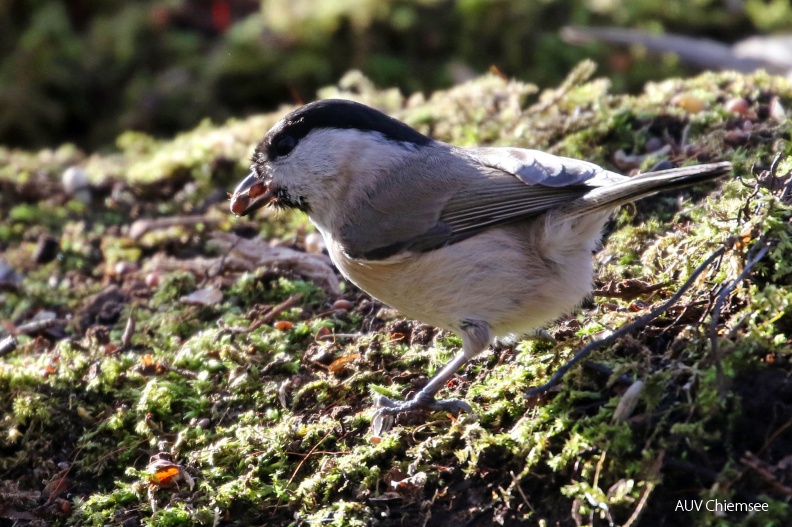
(332, 113)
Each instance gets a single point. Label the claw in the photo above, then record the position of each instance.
(385, 416)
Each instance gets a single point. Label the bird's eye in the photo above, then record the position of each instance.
(284, 145)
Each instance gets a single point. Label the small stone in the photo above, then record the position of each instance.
(736, 105)
(75, 184)
(342, 304)
(777, 111)
(73, 179)
(689, 102)
(153, 279)
(124, 268)
(314, 243)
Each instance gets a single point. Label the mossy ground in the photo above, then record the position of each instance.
(267, 423)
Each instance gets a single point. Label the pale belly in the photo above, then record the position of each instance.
(516, 278)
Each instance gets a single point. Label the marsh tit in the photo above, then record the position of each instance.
(485, 242)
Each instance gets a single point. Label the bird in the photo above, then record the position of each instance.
(482, 241)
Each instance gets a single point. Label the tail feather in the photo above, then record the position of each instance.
(646, 184)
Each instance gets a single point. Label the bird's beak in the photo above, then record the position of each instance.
(251, 194)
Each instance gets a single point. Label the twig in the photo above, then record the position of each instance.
(627, 289)
(682, 315)
(225, 329)
(129, 331)
(759, 466)
(269, 315)
(37, 326)
(638, 323)
(773, 437)
(597, 470)
(605, 370)
(718, 307)
(309, 454)
(330, 336)
(208, 274)
(141, 227)
(428, 515)
(324, 452)
(300, 464)
(641, 503)
(516, 484)
(166, 367)
(683, 140)
(283, 306)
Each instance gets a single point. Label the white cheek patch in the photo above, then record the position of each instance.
(331, 168)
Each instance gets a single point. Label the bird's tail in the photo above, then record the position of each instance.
(611, 196)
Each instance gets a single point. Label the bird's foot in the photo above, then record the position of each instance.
(420, 402)
(542, 335)
(386, 412)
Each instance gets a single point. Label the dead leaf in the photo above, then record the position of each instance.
(208, 296)
(628, 402)
(165, 473)
(57, 485)
(166, 477)
(341, 363)
(251, 254)
(411, 488)
(627, 289)
(322, 334)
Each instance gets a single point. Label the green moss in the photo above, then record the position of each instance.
(274, 432)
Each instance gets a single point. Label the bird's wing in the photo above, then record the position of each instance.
(519, 183)
(488, 187)
(534, 167)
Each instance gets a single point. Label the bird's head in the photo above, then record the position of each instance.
(320, 154)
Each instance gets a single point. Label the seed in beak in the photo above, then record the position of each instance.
(239, 203)
(251, 194)
(257, 190)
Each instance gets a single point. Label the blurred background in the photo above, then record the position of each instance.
(83, 71)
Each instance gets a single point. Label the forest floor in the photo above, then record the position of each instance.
(163, 362)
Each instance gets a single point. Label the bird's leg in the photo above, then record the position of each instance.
(542, 335)
(476, 336)
(425, 398)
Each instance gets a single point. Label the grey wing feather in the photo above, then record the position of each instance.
(499, 200)
(448, 201)
(519, 183)
(535, 167)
